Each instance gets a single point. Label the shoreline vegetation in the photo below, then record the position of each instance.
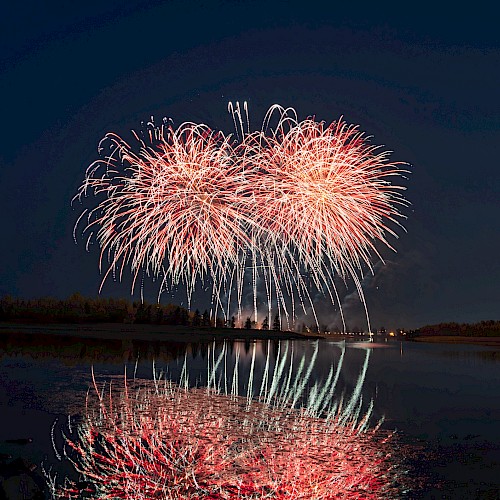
(120, 331)
(486, 333)
(120, 319)
(459, 339)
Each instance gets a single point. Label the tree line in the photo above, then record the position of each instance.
(80, 309)
(490, 328)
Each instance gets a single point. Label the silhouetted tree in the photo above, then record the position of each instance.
(196, 321)
(248, 324)
(265, 324)
(159, 315)
(205, 321)
(143, 314)
(277, 323)
(183, 317)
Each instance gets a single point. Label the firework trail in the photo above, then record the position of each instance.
(301, 198)
(157, 439)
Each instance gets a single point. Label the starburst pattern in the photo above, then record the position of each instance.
(192, 203)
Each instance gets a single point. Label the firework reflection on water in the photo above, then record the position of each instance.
(281, 438)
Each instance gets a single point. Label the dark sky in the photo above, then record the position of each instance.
(420, 78)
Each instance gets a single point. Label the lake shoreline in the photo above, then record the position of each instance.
(176, 333)
(153, 333)
(459, 339)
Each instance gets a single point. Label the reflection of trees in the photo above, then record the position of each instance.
(246, 346)
(472, 356)
(73, 349)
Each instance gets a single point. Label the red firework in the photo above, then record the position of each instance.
(175, 207)
(324, 192)
(191, 203)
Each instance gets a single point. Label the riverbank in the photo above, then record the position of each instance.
(459, 339)
(153, 333)
(176, 333)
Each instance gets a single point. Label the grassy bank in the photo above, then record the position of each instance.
(117, 331)
(459, 339)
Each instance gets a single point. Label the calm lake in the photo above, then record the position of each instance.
(444, 400)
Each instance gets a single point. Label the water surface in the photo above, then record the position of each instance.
(444, 400)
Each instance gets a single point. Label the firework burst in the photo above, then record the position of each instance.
(325, 197)
(192, 203)
(174, 209)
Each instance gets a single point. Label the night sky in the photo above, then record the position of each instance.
(421, 79)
